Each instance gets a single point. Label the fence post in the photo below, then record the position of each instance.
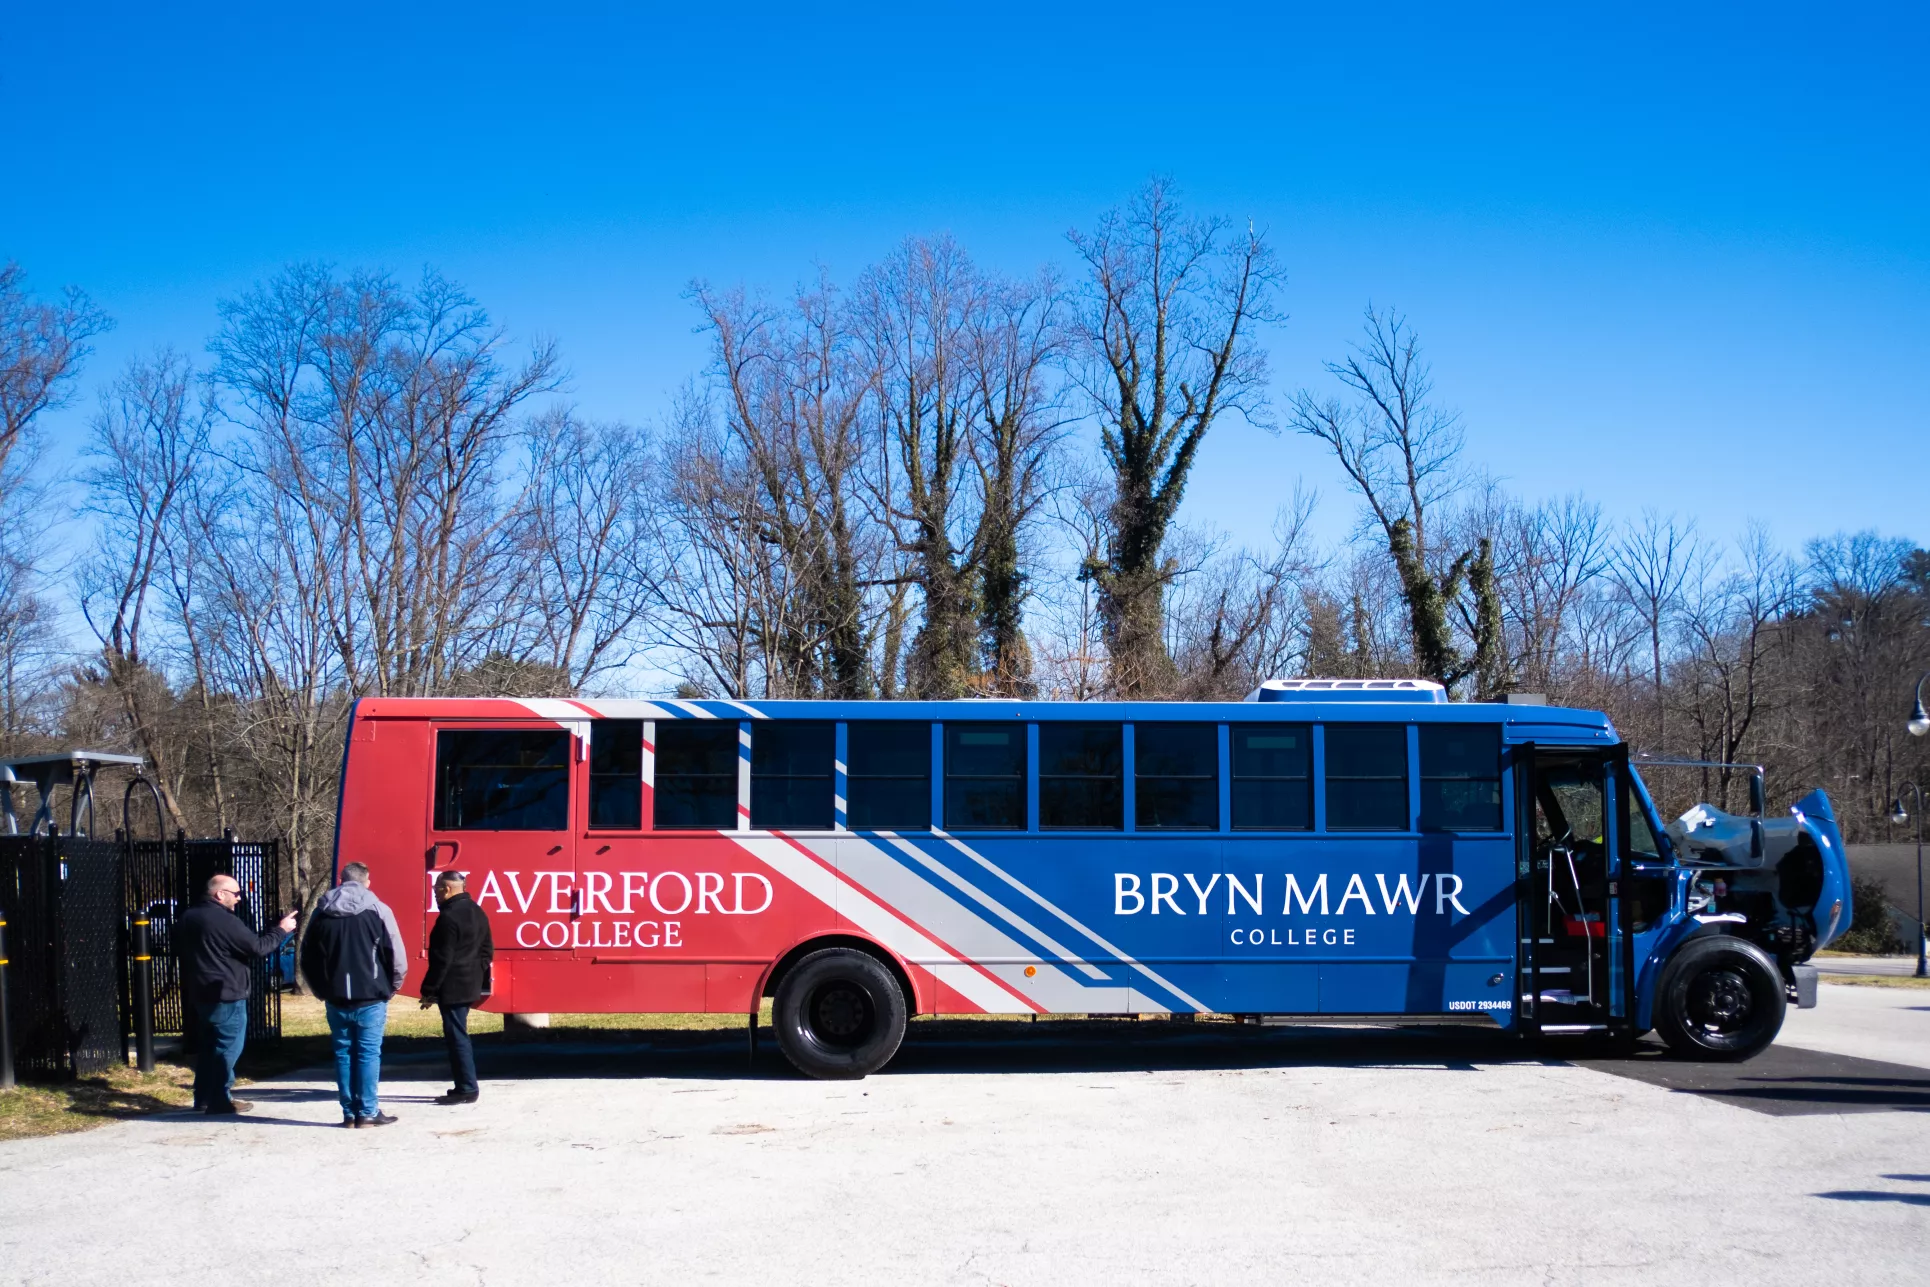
(143, 998)
(6, 1031)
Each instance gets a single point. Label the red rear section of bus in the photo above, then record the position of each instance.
(623, 919)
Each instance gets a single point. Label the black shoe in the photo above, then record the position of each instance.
(226, 1110)
(380, 1119)
(351, 1122)
(459, 1097)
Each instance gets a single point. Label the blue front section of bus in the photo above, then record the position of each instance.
(1398, 920)
(1417, 924)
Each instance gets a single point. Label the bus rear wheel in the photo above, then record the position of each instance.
(839, 1013)
(1720, 998)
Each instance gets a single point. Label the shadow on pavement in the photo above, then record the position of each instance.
(1782, 1081)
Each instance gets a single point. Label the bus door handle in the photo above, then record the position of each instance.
(437, 860)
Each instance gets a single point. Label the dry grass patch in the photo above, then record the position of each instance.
(60, 1107)
(308, 1017)
(1878, 980)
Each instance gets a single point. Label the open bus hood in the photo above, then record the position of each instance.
(1803, 852)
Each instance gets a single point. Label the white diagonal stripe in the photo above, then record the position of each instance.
(1005, 913)
(1048, 904)
(968, 935)
(894, 932)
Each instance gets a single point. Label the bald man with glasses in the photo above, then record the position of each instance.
(218, 953)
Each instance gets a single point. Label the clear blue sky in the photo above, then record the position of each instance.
(1665, 259)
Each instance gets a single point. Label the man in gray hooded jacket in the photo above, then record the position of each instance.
(354, 960)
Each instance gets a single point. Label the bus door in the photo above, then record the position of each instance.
(1572, 966)
(646, 864)
(502, 816)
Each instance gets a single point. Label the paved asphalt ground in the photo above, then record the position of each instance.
(1890, 965)
(1102, 1152)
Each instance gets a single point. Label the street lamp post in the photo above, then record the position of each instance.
(1899, 814)
(1919, 724)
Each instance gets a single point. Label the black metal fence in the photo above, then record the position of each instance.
(70, 905)
(66, 947)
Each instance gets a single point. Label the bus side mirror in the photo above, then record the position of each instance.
(1756, 804)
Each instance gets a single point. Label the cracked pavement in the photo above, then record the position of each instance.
(1014, 1154)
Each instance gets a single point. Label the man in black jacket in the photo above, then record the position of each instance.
(460, 955)
(354, 960)
(218, 952)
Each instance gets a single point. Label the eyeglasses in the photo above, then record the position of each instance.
(227, 893)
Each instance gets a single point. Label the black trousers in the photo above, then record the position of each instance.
(462, 1055)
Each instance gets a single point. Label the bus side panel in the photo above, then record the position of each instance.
(1433, 932)
(731, 988)
(385, 797)
(1265, 987)
(1019, 902)
(563, 985)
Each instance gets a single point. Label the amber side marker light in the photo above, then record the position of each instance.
(1031, 970)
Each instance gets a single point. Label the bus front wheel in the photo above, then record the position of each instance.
(1720, 998)
(839, 1013)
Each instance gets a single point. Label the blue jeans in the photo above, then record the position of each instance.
(357, 1034)
(223, 1031)
(455, 1039)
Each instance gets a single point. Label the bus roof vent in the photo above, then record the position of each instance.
(1349, 690)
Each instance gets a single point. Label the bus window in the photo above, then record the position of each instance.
(791, 784)
(1641, 837)
(1272, 777)
(1367, 777)
(1176, 777)
(616, 774)
(985, 777)
(1081, 777)
(1460, 777)
(502, 780)
(696, 774)
(888, 778)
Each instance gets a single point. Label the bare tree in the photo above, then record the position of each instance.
(42, 346)
(1167, 332)
(916, 313)
(794, 387)
(1017, 341)
(1241, 618)
(150, 437)
(721, 589)
(588, 528)
(32, 657)
(1402, 454)
(1729, 679)
(1651, 565)
(1552, 554)
(385, 417)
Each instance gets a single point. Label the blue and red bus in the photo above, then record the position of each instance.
(1325, 848)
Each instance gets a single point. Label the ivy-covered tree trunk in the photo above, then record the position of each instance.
(1492, 677)
(1167, 329)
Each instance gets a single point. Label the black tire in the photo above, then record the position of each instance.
(839, 1014)
(1721, 998)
